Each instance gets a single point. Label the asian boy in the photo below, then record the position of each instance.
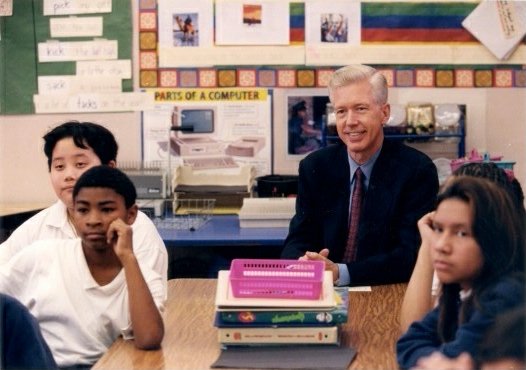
(71, 149)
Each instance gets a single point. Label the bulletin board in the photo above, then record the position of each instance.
(20, 34)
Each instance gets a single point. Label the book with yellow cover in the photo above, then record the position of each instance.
(288, 335)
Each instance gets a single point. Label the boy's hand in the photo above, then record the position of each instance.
(120, 238)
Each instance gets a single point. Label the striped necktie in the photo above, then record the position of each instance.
(356, 206)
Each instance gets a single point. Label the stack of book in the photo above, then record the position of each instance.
(248, 321)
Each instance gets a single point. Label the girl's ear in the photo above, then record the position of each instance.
(112, 164)
(132, 214)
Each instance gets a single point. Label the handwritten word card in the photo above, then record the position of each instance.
(6, 8)
(75, 26)
(105, 68)
(65, 7)
(76, 84)
(121, 102)
(56, 51)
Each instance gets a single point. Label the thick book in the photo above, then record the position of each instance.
(286, 335)
(270, 317)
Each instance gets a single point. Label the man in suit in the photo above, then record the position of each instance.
(398, 185)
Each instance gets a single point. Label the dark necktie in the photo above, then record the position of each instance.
(356, 205)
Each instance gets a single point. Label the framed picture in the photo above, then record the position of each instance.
(299, 118)
(260, 22)
(184, 26)
(335, 23)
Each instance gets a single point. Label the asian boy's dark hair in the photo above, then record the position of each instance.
(110, 178)
(84, 135)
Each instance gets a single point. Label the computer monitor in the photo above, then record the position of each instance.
(190, 122)
(192, 132)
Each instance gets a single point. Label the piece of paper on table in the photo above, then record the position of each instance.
(286, 357)
(360, 289)
(499, 25)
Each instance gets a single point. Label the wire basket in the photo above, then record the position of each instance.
(185, 214)
(267, 278)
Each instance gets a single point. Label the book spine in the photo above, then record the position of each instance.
(246, 318)
(313, 335)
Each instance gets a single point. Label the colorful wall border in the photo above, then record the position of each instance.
(151, 76)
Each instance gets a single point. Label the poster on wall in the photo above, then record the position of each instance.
(185, 24)
(332, 31)
(332, 23)
(209, 129)
(262, 22)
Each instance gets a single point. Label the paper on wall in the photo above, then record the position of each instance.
(75, 27)
(65, 7)
(57, 51)
(185, 25)
(6, 8)
(333, 23)
(265, 22)
(499, 25)
(75, 84)
(121, 102)
(105, 68)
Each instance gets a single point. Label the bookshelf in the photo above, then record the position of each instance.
(436, 145)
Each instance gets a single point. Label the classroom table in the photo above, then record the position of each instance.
(190, 340)
(224, 231)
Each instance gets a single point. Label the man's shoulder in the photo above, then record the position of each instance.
(401, 158)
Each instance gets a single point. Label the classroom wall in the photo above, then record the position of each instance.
(23, 165)
(496, 122)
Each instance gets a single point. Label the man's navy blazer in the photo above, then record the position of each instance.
(402, 188)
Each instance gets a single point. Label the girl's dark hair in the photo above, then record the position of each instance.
(84, 135)
(498, 229)
(107, 177)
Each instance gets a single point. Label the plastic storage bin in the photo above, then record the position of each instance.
(267, 278)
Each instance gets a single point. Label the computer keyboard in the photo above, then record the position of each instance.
(205, 163)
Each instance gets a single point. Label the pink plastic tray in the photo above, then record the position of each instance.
(266, 278)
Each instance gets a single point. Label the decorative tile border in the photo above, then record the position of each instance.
(151, 75)
(246, 77)
(424, 77)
